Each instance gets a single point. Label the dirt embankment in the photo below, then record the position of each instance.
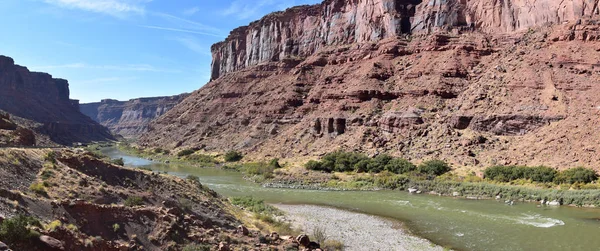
(85, 203)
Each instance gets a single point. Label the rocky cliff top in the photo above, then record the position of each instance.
(303, 30)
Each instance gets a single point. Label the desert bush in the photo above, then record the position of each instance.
(50, 157)
(38, 188)
(254, 205)
(17, 229)
(333, 245)
(118, 162)
(578, 174)
(346, 162)
(134, 201)
(512, 173)
(399, 165)
(197, 247)
(434, 167)
(233, 156)
(116, 227)
(274, 163)
(185, 152)
(201, 158)
(314, 165)
(319, 235)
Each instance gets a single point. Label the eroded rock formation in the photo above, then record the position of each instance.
(130, 118)
(473, 82)
(42, 104)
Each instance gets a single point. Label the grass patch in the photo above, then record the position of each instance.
(255, 205)
(233, 156)
(134, 201)
(39, 189)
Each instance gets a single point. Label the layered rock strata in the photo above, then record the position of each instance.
(130, 118)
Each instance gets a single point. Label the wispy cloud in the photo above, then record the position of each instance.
(96, 81)
(191, 11)
(180, 30)
(117, 8)
(129, 67)
(193, 45)
(252, 10)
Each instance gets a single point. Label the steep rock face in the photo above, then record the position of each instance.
(303, 30)
(469, 94)
(130, 118)
(44, 102)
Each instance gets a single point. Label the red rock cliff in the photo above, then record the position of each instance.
(301, 31)
(44, 102)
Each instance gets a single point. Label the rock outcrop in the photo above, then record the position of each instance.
(302, 31)
(130, 118)
(476, 83)
(42, 104)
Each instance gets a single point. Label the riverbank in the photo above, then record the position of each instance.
(356, 231)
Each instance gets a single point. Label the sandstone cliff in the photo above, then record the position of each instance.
(476, 83)
(130, 118)
(303, 30)
(42, 103)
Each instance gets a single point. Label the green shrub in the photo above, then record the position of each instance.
(118, 162)
(38, 188)
(314, 165)
(233, 156)
(134, 201)
(197, 247)
(274, 163)
(50, 157)
(254, 205)
(434, 167)
(578, 174)
(116, 227)
(185, 152)
(17, 229)
(201, 158)
(47, 174)
(259, 168)
(399, 165)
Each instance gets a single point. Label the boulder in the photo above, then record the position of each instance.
(242, 230)
(412, 190)
(455, 194)
(274, 236)
(554, 203)
(303, 240)
(3, 247)
(51, 243)
(223, 246)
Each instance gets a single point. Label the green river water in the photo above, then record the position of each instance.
(450, 222)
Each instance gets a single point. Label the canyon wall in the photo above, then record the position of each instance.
(42, 103)
(476, 83)
(301, 31)
(130, 118)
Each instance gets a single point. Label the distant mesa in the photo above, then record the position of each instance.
(130, 118)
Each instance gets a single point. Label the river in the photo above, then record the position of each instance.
(450, 222)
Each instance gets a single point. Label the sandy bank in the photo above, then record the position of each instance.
(357, 231)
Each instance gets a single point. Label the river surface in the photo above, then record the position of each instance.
(450, 222)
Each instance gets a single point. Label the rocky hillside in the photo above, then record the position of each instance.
(476, 83)
(79, 202)
(41, 103)
(130, 118)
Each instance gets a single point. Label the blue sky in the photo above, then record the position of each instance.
(124, 49)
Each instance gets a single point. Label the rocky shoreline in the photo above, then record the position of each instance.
(356, 231)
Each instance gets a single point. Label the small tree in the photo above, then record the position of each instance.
(233, 156)
(434, 167)
(17, 229)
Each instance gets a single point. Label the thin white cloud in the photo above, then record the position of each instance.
(118, 8)
(193, 45)
(129, 67)
(180, 30)
(103, 80)
(255, 9)
(191, 11)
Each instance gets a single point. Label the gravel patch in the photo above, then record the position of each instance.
(357, 231)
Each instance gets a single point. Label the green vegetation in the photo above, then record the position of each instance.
(333, 245)
(52, 226)
(355, 162)
(46, 174)
(116, 227)
(233, 156)
(185, 152)
(134, 201)
(540, 174)
(118, 162)
(50, 157)
(18, 229)
(255, 205)
(319, 235)
(38, 188)
(197, 247)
